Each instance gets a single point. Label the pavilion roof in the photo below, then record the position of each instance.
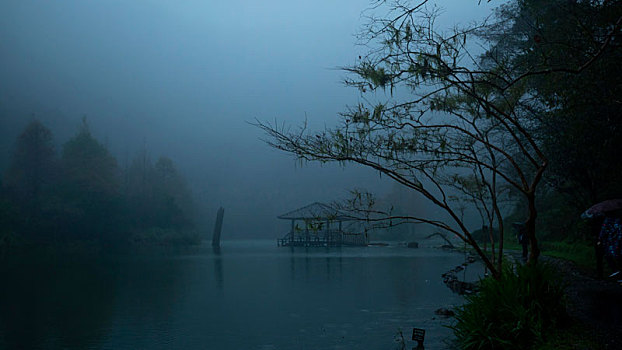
(315, 211)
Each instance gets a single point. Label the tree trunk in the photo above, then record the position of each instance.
(218, 227)
(530, 227)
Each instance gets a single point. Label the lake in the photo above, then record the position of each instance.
(248, 295)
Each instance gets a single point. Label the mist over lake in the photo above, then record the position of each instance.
(310, 174)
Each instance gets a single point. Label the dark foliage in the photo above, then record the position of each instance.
(516, 311)
(85, 196)
(30, 179)
(577, 111)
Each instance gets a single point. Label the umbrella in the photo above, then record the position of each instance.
(603, 207)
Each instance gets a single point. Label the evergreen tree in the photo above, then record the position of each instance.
(29, 184)
(578, 114)
(91, 186)
(138, 192)
(172, 195)
(32, 167)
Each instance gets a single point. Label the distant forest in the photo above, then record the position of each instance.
(82, 194)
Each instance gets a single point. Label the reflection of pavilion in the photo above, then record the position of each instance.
(319, 225)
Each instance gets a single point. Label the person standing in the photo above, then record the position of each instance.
(523, 239)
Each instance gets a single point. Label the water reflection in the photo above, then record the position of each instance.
(218, 270)
(275, 298)
(78, 301)
(55, 304)
(311, 263)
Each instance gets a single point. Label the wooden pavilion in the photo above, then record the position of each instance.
(319, 225)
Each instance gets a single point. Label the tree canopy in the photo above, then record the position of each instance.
(84, 195)
(32, 165)
(469, 127)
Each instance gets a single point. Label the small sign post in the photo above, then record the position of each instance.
(418, 335)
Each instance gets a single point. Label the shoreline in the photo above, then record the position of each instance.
(593, 305)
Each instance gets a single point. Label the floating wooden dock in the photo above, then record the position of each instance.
(319, 225)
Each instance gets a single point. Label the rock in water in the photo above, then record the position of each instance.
(444, 312)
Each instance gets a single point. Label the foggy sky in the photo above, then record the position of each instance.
(183, 79)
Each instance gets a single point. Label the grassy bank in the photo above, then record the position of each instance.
(525, 309)
(519, 294)
(519, 311)
(580, 252)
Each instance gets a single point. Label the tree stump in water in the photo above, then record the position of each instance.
(218, 227)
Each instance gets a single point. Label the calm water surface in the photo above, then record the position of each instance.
(250, 295)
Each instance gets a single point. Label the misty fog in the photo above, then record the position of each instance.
(184, 80)
(370, 167)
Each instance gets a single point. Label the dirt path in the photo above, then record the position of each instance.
(595, 303)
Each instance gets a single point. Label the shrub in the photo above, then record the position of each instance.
(515, 312)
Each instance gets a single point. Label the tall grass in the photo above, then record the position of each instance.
(517, 311)
(580, 252)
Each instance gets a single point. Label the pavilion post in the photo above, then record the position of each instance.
(306, 233)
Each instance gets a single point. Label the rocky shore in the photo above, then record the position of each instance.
(452, 281)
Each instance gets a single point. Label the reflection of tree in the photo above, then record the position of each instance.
(61, 304)
(218, 269)
(311, 268)
(75, 301)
